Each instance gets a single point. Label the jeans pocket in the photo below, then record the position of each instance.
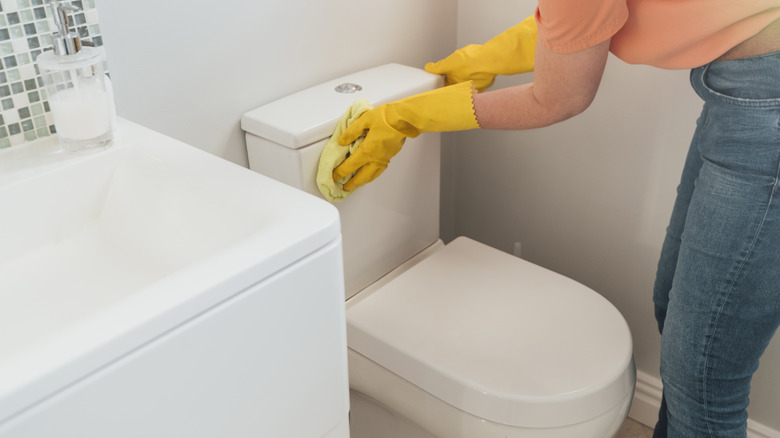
(750, 82)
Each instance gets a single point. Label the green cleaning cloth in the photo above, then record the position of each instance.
(334, 154)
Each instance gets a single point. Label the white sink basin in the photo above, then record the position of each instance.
(103, 251)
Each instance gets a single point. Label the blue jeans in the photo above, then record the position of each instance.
(717, 291)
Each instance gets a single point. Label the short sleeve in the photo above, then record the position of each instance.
(567, 26)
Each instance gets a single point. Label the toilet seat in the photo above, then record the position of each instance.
(497, 337)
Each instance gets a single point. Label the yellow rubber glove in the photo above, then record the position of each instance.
(509, 53)
(444, 109)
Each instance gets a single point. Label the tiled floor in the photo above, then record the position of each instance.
(632, 429)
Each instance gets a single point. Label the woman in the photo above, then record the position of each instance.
(717, 292)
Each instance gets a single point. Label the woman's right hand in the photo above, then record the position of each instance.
(511, 52)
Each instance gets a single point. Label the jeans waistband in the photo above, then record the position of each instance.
(749, 82)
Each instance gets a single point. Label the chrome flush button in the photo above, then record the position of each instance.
(348, 88)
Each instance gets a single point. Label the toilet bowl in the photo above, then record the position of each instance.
(456, 340)
(473, 342)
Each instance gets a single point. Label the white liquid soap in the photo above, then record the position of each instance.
(81, 113)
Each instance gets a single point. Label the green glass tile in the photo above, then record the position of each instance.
(23, 58)
(13, 18)
(6, 48)
(5, 143)
(30, 136)
(7, 104)
(23, 3)
(27, 125)
(26, 15)
(36, 109)
(13, 75)
(42, 132)
(16, 31)
(39, 122)
(3, 132)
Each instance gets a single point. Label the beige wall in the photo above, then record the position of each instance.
(589, 198)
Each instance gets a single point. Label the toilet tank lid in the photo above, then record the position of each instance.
(310, 115)
(498, 337)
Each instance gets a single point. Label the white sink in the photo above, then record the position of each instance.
(102, 252)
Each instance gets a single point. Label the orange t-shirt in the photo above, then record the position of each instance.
(664, 33)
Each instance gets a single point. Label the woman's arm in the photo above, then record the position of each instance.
(564, 86)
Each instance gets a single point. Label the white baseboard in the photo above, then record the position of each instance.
(647, 401)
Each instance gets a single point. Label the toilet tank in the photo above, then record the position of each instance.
(383, 223)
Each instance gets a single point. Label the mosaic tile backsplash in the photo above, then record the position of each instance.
(25, 32)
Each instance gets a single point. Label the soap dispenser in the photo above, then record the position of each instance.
(79, 98)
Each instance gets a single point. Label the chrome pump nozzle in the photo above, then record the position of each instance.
(64, 41)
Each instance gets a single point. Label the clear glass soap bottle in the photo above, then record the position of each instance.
(76, 85)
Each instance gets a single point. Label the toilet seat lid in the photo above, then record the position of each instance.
(498, 337)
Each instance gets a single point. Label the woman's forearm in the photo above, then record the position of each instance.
(564, 86)
(516, 108)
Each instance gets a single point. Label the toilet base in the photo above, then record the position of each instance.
(369, 419)
(383, 405)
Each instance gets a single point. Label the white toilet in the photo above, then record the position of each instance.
(447, 341)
